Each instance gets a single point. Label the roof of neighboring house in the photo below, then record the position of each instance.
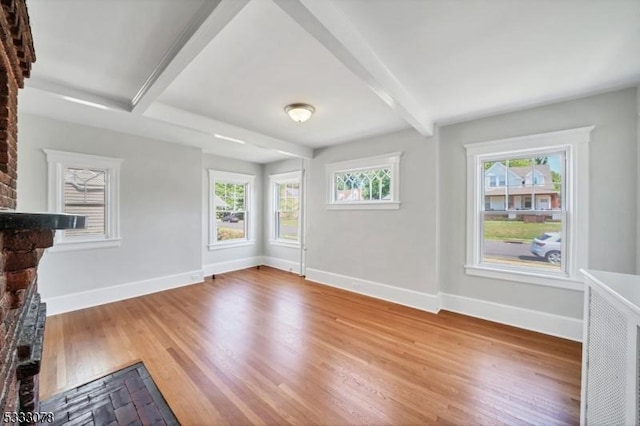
(84, 179)
(84, 187)
(543, 169)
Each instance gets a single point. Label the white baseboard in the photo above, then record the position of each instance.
(232, 265)
(414, 299)
(542, 322)
(100, 296)
(282, 264)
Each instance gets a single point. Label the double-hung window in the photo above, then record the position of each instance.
(85, 185)
(285, 196)
(365, 183)
(285, 207)
(230, 204)
(527, 208)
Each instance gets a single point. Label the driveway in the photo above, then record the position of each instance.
(515, 253)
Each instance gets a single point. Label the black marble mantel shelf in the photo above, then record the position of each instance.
(10, 219)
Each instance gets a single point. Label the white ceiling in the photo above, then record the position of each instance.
(247, 78)
(107, 48)
(184, 70)
(499, 54)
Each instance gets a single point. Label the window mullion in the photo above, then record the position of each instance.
(506, 185)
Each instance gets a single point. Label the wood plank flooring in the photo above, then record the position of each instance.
(266, 347)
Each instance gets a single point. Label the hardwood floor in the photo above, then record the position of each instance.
(266, 347)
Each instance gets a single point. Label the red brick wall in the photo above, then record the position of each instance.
(16, 56)
(20, 252)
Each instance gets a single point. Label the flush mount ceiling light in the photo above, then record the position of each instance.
(299, 112)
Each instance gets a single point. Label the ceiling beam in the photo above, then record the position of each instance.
(210, 19)
(335, 32)
(215, 128)
(78, 95)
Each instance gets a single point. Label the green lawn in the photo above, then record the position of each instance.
(289, 222)
(517, 230)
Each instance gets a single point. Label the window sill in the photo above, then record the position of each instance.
(61, 246)
(525, 277)
(233, 244)
(387, 205)
(280, 243)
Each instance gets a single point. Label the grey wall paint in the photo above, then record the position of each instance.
(393, 247)
(280, 252)
(165, 205)
(236, 166)
(638, 181)
(612, 212)
(159, 197)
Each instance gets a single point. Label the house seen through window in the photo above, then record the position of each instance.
(85, 185)
(524, 214)
(527, 208)
(85, 195)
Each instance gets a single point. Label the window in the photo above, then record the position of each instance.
(230, 200)
(534, 227)
(367, 183)
(285, 207)
(85, 185)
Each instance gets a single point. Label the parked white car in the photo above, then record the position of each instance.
(548, 246)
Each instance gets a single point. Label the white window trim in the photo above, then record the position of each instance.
(391, 160)
(239, 178)
(57, 162)
(575, 143)
(291, 177)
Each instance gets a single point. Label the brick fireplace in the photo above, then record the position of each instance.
(23, 236)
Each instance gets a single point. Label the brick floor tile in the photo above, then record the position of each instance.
(120, 397)
(149, 414)
(104, 415)
(141, 398)
(134, 383)
(127, 415)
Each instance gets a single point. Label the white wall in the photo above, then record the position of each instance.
(223, 260)
(276, 255)
(613, 191)
(160, 198)
(390, 247)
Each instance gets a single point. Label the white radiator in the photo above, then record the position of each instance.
(610, 374)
